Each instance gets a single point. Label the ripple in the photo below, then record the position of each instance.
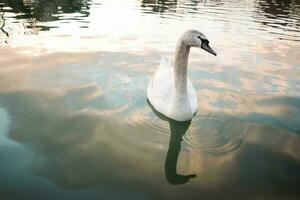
(147, 129)
(213, 135)
(216, 135)
(155, 127)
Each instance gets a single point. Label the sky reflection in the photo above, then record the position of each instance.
(79, 136)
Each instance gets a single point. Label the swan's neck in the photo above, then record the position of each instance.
(180, 68)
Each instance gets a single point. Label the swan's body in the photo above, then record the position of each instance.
(170, 91)
(164, 98)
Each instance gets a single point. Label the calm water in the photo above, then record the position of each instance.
(74, 117)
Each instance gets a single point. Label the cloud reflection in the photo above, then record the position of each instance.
(86, 127)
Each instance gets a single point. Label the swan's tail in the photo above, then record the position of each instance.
(164, 62)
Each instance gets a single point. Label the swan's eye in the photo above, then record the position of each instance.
(203, 41)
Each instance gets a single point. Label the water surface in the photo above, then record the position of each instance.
(74, 117)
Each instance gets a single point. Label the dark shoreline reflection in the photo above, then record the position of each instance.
(282, 17)
(278, 17)
(35, 11)
(277, 8)
(178, 129)
(43, 10)
(2, 24)
(168, 6)
(159, 6)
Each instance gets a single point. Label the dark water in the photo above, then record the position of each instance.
(74, 117)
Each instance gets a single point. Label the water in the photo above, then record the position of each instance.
(74, 117)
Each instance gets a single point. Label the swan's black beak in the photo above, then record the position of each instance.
(207, 48)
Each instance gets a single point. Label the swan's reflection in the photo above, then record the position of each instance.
(177, 129)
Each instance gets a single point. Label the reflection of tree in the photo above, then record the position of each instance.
(168, 6)
(159, 6)
(178, 129)
(274, 9)
(2, 24)
(43, 10)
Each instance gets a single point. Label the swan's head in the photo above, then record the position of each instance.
(195, 38)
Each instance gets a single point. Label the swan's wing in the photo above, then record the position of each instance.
(160, 89)
(161, 83)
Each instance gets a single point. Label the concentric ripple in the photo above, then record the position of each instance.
(213, 134)
(216, 135)
(147, 130)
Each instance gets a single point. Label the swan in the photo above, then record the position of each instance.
(170, 91)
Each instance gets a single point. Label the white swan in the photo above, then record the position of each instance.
(170, 91)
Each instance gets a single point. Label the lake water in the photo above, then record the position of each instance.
(74, 118)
